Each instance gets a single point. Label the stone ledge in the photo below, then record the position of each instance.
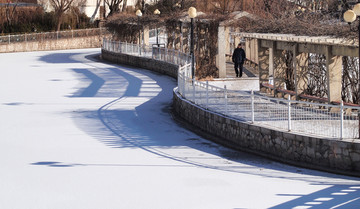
(142, 62)
(329, 155)
(47, 45)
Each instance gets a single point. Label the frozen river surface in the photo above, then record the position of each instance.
(77, 133)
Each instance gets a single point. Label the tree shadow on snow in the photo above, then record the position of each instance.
(140, 118)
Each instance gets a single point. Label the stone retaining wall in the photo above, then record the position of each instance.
(142, 62)
(317, 153)
(47, 45)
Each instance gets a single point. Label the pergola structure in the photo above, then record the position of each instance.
(266, 50)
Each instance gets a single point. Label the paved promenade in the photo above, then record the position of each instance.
(79, 133)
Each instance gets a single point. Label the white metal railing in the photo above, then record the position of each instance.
(333, 121)
(9, 39)
(158, 53)
(325, 120)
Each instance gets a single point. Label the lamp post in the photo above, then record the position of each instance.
(139, 14)
(350, 16)
(192, 14)
(157, 12)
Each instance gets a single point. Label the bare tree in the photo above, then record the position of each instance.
(141, 5)
(114, 6)
(60, 7)
(124, 5)
(93, 16)
(10, 10)
(225, 6)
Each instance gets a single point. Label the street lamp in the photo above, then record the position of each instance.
(157, 12)
(139, 14)
(349, 17)
(192, 14)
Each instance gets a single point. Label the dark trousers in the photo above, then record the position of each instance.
(239, 67)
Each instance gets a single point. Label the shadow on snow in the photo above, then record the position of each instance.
(148, 126)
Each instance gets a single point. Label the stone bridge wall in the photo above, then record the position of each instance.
(311, 152)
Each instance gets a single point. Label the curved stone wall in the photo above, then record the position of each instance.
(305, 151)
(338, 156)
(47, 45)
(141, 62)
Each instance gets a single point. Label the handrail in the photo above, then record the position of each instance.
(28, 37)
(309, 118)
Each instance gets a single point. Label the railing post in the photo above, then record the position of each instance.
(226, 102)
(193, 84)
(177, 57)
(207, 94)
(341, 119)
(152, 52)
(252, 107)
(289, 114)
(183, 86)
(9, 39)
(126, 49)
(166, 52)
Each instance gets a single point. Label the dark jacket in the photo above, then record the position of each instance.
(239, 55)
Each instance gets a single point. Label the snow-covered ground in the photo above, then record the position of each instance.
(78, 133)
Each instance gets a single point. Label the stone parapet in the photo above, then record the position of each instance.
(142, 62)
(48, 45)
(337, 156)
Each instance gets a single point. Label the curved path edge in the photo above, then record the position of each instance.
(336, 156)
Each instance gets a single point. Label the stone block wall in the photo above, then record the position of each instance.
(47, 45)
(338, 156)
(142, 62)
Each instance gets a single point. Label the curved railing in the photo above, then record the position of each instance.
(29, 37)
(157, 53)
(306, 118)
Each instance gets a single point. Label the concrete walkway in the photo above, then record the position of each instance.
(248, 73)
(78, 133)
(249, 81)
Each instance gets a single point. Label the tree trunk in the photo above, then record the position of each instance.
(92, 19)
(124, 5)
(59, 21)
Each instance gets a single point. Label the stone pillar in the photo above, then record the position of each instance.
(334, 75)
(220, 57)
(237, 38)
(252, 53)
(227, 43)
(247, 48)
(271, 62)
(146, 35)
(300, 62)
(263, 57)
(279, 69)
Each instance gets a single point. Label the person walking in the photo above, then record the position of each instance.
(238, 59)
